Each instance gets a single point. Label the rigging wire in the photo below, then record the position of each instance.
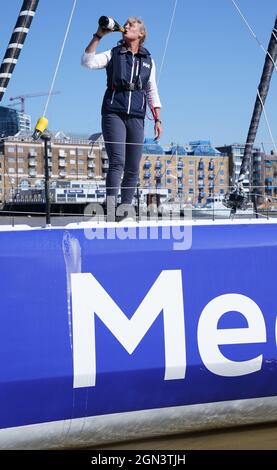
(60, 57)
(167, 40)
(267, 123)
(274, 65)
(163, 61)
(164, 54)
(254, 34)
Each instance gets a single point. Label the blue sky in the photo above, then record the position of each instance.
(209, 79)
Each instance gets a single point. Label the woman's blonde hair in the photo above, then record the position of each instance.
(136, 19)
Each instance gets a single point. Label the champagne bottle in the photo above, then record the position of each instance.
(107, 22)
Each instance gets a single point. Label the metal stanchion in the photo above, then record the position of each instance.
(46, 138)
(138, 202)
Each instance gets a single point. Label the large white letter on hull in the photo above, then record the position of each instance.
(210, 337)
(89, 298)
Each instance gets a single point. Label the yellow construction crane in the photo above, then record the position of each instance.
(21, 98)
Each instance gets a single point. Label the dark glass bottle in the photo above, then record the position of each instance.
(107, 22)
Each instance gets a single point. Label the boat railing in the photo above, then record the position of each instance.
(85, 200)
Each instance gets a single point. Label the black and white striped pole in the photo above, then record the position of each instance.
(17, 40)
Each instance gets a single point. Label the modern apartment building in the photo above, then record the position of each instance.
(262, 173)
(13, 121)
(235, 153)
(265, 176)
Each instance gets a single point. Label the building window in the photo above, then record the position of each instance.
(11, 170)
(221, 181)
(190, 181)
(222, 191)
(39, 184)
(11, 159)
(11, 149)
(191, 162)
(20, 170)
(24, 184)
(191, 172)
(221, 163)
(168, 162)
(80, 162)
(73, 162)
(169, 180)
(81, 172)
(190, 190)
(20, 149)
(168, 172)
(72, 152)
(221, 172)
(20, 160)
(73, 172)
(80, 152)
(238, 151)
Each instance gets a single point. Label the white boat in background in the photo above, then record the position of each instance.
(214, 207)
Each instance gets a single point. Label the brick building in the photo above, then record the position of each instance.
(184, 176)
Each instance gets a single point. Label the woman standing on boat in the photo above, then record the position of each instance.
(131, 80)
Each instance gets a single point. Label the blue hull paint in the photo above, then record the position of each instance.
(36, 370)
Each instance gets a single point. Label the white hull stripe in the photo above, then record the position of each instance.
(2, 89)
(27, 13)
(89, 431)
(166, 223)
(5, 75)
(9, 61)
(21, 30)
(15, 45)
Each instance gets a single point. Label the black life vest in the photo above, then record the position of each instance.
(119, 69)
(127, 78)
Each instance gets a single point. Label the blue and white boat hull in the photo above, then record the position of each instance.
(112, 332)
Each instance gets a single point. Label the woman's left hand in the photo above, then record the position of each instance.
(158, 130)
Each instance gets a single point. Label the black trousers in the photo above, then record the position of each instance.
(124, 136)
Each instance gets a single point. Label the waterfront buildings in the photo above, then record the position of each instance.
(186, 175)
(22, 163)
(189, 173)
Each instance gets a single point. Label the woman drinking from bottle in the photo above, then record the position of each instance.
(131, 81)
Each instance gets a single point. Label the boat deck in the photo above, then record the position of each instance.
(26, 222)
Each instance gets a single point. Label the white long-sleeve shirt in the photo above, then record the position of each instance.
(91, 60)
